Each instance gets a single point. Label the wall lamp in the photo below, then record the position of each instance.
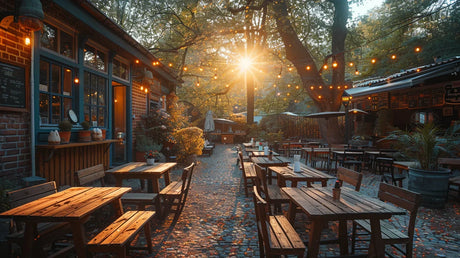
(29, 14)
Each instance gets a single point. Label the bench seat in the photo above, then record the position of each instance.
(117, 237)
(141, 199)
(389, 232)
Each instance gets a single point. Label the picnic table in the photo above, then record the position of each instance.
(306, 174)
(73, 205)
(260, 154)
(309, 152)
(320, 207)
(140, 170)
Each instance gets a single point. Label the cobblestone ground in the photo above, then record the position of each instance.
(218, 220)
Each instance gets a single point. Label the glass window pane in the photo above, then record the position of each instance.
(44, 108)
(94, 58)
(44, 75)
(86, 89)
(55, 109)
(101, 116)
(93, 90)
(55, 79)
(86, 113)
(67, 46)
(93, 116)
(67, 105)
(101, 91)
(116, 68)
(48, 37)
(67, 82)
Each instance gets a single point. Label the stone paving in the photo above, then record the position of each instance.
(219, 221)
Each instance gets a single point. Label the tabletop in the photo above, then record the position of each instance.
(260, 153)
(320, 207)
(306, 174)
(140, 170)
(404, 164)
(265, 161)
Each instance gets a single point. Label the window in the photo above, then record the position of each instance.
(94, 59)
(55, 88)
(120, 69)
(95, 109)
(58, 41)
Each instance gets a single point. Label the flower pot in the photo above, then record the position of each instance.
(150, 161)
(432, 185)
(65, 136)
(84, 136)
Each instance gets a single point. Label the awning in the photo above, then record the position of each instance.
(437, 71)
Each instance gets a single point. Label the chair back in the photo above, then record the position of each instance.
(350, 176)
(261, 179)
(89, 175)
(186, 179)
(240, 158)
(25, 195)
(261, 207)
(402, 198)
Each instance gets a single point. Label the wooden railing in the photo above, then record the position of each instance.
(59, 162)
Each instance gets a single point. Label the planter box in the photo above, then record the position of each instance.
(432, 185)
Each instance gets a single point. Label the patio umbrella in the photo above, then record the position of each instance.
(357, 111)
(209, 122)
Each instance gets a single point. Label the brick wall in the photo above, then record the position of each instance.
(15, 156)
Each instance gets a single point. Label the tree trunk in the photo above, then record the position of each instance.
(325, 97)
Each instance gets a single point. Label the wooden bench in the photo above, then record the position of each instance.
(46, 232)
(248, 173)
(175, 194)
(276, 234)
(207, 150)
(391, 233)
(455, 182)
(116, 238)
(92, 174)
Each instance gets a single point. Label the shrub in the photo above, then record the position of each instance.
(85, 125)
(65, 126)
(189, 142)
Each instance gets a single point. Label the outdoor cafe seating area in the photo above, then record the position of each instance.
(292, 199)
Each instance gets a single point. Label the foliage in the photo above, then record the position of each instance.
(85, 125)
(155, 126)
(152, 154)
(65, 126)
(425, 144)
(189, 141)
(144, 143)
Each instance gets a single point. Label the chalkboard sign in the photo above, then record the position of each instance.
(12, 86)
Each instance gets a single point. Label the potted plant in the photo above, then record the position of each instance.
(85, 134)
(425, 145)
(190, 143)
(150, 156)
(65, 126)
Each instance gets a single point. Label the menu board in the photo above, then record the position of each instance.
(12, 86)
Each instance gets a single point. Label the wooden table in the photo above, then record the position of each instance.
(404, 165)
(140, 170)
(73, 205)
(342, 154)
(320, 207)
(265, 162)
(260, 154)
(307, 174)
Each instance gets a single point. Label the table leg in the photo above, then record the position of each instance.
(291, 212)
(28, 239)
(343, 237)
(324, 183)
(79, 238)
(154, 185)
(167, 178)
(118, 207)
(314, 238)
(376, 239)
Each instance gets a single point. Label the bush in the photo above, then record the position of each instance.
(85, 125)
(65, 126)
(189, 142)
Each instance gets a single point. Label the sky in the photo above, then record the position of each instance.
(363, 8)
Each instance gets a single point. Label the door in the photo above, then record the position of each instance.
(119, 123)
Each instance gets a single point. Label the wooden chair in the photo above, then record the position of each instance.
(276, 234)
(175, 194)
(321, 160)
(392, 234)
(248, 173)
(349, 176)
(272, 193)
(244, 157)
(350, 160)
(46, 232)
(96, 173)
(385, 168)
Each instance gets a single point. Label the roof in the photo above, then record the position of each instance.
(108, 23)
(405, 79)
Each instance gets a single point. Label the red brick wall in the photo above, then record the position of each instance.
(15, 159)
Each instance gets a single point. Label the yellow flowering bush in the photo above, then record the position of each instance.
(189, 142)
